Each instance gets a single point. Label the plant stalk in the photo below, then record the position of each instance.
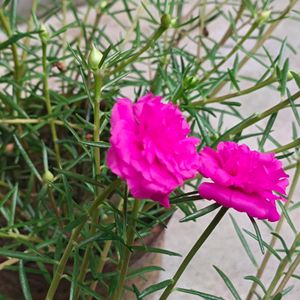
(267, 256)
(257, 117)
(193, 251)
(229, 55)
(63, 261)
(74, 237)
(259, 43)
(281, 268)
(49, 106)
(252, 89)
(288, 275)
(125, 263)
(97, 162)
(148, 45)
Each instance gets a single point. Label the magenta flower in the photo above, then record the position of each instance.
(243, 179)
(150, 147)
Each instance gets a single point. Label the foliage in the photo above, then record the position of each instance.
(60, 204)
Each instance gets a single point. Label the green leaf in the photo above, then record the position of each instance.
(141, 271)
(287, 217)
(267, 130)
(13, 206)
(155, 250)
(200, 294)
(27, 159)
(7, 196)
(75, 223)
(96, 144)
(250, 6)
(100, 236)
(296, 78)
(243, 241)
(201, 212)
(283, 75)
(79, 177)
(228, 283)
(26, 256)
(259, 238)
(24, 282)
(266, 245)
(278, 296)
(15, 38)
(294, 108)
(257, 281)
(286, 249)
(154, 288)
(233, 80)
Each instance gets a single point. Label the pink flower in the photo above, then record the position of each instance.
(243, 179)
(150, 147)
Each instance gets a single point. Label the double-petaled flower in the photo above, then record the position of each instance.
(150, 147)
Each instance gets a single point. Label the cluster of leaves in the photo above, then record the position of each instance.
(43, 200)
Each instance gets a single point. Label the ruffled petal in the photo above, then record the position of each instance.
(251, 204)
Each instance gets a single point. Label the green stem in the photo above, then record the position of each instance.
(229, 31)
(87, 255)
(29, 28)
(148, 45)
(100, 265)
(267, 256)
(125, 263)
(286, 147)
(54, 206)
(104, 254)
(281, 268)
(229, 55)
(73, 239)
(193, 251)
(62, 263)
(97, 100)
(49, 106)
(18, 67)
(252, 89)
(97, 162)
(259, 43)
(288, 275)
(257, 117)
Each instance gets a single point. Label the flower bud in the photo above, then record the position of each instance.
(44, 35)
(263, 17)
(165, 21)
(94, 58)
(102, 4)
(48, 177)
(290, 75)
(190, 81)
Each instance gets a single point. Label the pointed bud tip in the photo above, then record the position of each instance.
(44, 35)
(48, 177)
(94, 58)
(264, 16)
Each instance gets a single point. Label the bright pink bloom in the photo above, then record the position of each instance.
(243, 179)
(150, 148)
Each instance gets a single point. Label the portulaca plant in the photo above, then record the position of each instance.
(113, 118)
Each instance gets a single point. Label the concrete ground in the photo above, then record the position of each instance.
(223, 248)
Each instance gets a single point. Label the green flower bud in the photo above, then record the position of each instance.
(290, 76)
(102, 4)
(165, 21)
(263, 17)
(94, 58)
(190, 81)
(44, 35)
(48, 177)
